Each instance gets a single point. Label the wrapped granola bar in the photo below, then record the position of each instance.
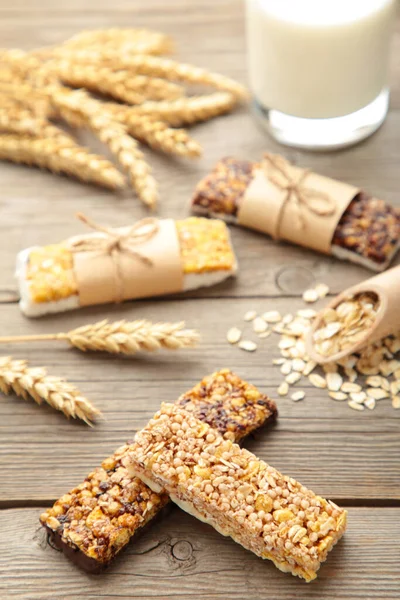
(239, 495)
(275, 197)
(154, 257)
(93, 522)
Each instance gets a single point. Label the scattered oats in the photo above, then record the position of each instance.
(300, 395)
(370, 403)
(322, 290)
(374, 381)
(259, 325)
(233, 335)
(338, 395)
(250, 315)
(307, 313)
(334, 381)
(394, 387)
(358, 397)
(377, 393)
(296, 329)
(350, 387)
(264, 334)
(287, 319)
(298, 364)
(293, 377)
(278, 361)
(351, 375)
(310, 296)
(272, 316)
(396, 401)
(310, 366)
(283, 389)
(355, 405)
(317, 380)
(247, 345)
(286, 367)
(286, 343)
(389, 367)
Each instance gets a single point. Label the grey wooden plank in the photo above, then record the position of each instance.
(179, 557)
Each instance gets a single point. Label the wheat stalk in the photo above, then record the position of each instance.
(58, 155)
(121, 337)
(122, 85)
(20, 120)
(24, 381)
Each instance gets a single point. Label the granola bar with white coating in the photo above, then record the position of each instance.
(93, 522)
(241, 496)
(368, 232)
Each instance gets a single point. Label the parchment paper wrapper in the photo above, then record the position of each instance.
(387, 287)
(262, 203)
(99, 277)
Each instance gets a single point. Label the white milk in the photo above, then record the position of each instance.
(318, 58)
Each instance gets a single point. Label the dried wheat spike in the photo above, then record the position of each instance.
(139, 41)
(58, 154)
(24, 381)
(122, 337)
(165, 68)
(122, 85)
(26, 95)
(27, 66)
(17, 119)
(183, 111)
(115, 137)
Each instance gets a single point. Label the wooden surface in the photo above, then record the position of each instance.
(351, 458)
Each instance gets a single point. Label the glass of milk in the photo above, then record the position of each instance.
(319, 68)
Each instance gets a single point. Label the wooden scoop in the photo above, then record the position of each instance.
(386, 286)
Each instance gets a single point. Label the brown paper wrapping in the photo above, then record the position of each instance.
(97, 274)
(262, 205)
(387, 287)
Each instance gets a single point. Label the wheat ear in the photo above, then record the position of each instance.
(142, 41)
(122, 85)
(121, 337)
(24, 381)
(183, 111)
(57, 155)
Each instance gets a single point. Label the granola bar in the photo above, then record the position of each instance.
(368, 232)
(241, 496)
(95, 521)
(47, 281)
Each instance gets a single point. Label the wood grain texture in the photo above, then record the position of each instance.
(180, 557)
(348, 456)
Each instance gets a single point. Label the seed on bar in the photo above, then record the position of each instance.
(247, 345)
(233, 335)
(250, 315)
(296, 396)
(283, 389)
(317, 380)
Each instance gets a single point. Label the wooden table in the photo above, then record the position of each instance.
(351, 458)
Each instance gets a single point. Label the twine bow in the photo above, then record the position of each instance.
(278, 171)
(114, 243)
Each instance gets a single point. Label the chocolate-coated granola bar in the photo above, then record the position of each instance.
(368, 232)
(241, 496)
(95, 521)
